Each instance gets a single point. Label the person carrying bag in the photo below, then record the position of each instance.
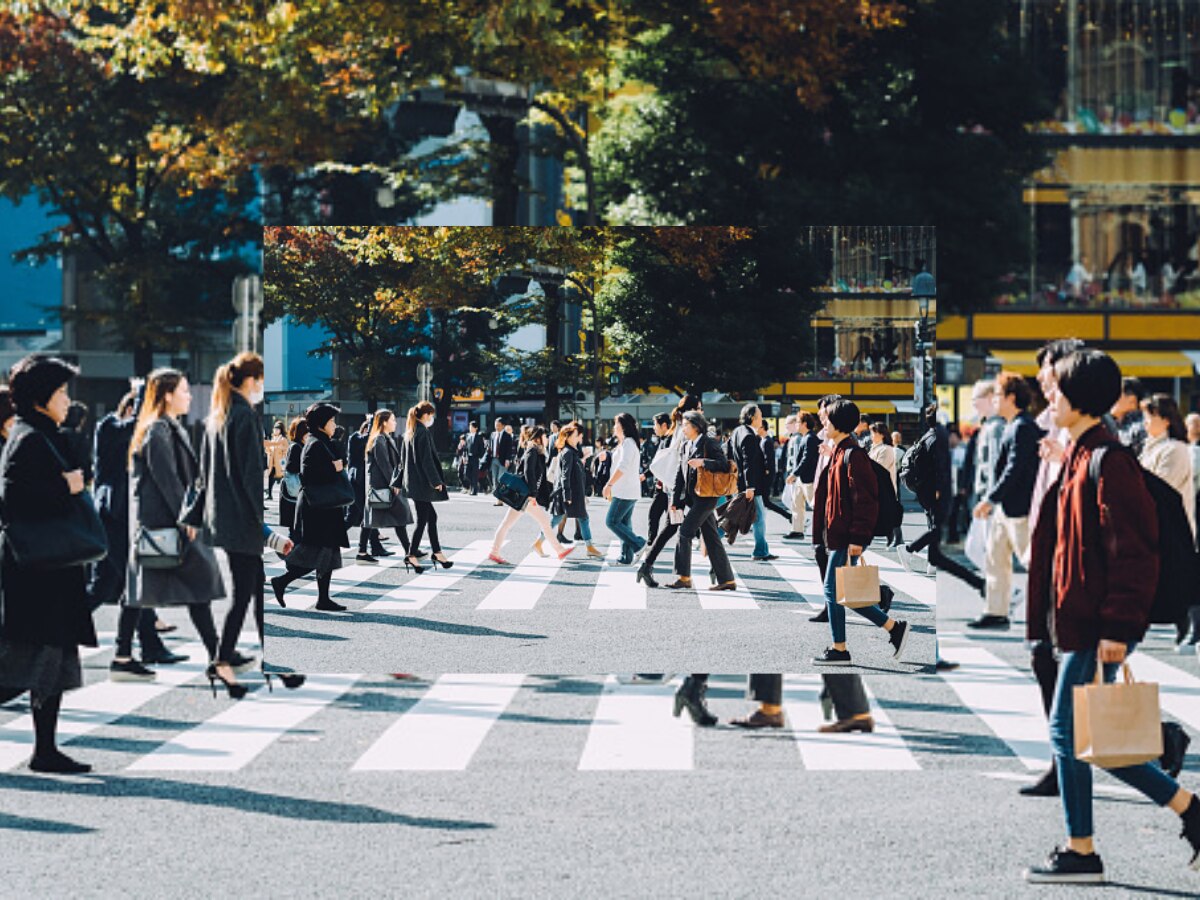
(1117, 724)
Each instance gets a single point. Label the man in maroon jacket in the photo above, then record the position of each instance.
(1093, 573)
(845, 507)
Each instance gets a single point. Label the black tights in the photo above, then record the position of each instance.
(143, 620)
(324, 580)
(371, 535)
(45, 725)
(426, 518)
(247, 572)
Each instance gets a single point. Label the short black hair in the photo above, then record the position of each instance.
(36, 378)
(1133, 386)
(843, 414)
(1090, 380)
(557, 424)
(1014, 384)
(1058, 349)
(662, 418)
(811, 420)
(319, 414)
(7, 410)
(499, 421)
(474, 425)
(930, 414)
(864, 420)
(696, 419)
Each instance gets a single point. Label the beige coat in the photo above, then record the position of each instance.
(276, 453)
(885, 455)
(1171, 460)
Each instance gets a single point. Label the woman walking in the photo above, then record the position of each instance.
(704, 452)
(570, 493)
(163, 467)
(884, 453)
(532, 468)
(44, 613)
(382, 463)
(624, 487)
(421, 474)
(297, 435)
(230, 504)
(1165, 452)
(320, 528)
(687, 403)
(276, 448)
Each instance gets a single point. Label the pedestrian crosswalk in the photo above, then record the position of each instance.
(532, 581)
(989, 708)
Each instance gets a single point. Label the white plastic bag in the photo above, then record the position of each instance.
(975, 547)
(788, 499)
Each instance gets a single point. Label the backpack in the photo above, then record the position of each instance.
(918, 467)
(891, 510)
(1179, 563)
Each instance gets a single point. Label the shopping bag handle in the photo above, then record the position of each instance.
(1099, 679)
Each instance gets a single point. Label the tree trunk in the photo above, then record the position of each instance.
(143, 359)
(442, 432)
(504, 149)
(553, 327)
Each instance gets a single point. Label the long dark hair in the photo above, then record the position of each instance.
(1165, 407)
(686, 403)
(380, 419)
(629, 427)
(880, 429)
(159, 384)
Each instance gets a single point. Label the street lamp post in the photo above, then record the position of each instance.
(924, 291)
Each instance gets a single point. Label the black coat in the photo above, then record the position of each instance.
(111, 490)
(231, 474)
(163, 469)
(747, 450)
(502, 449)
(805, 469)
(1016, 466)
(320, 527)
(382, 462)
(533, 470)
(572, 484)
(768, 448)
(715, 460)
(476, 446)
(356, 467)
(291, 466)
(46, 608)
(421, 467)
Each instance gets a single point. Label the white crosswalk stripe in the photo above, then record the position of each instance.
(524, 587)
(617, 586)
(434, 581)
(634, 730)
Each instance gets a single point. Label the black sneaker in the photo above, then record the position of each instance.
(767, 558)
(886, 596)
(988, 621)
(1191, 830)
(822, 616)
(794, 536)
(1175, 744)
(832, 657)
(898, 637)
(366, 557)
(130, 670)
(1067, 867)
(164, 658)
(58, 763)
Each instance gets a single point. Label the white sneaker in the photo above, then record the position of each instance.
(905, 558)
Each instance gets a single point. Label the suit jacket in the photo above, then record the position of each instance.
(715, 460)
(476, 446)
(768, 448)
(747, 450)
(500, 447)
(1016, 467)
(805, 468)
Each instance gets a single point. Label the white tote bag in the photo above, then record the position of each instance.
(975, 547)
(665, 465)
(788, 500)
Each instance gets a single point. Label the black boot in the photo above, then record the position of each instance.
(645, 574)
(1046, 786)
(690, 696)
(324, 601)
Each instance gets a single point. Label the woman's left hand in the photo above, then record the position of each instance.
(607, 492)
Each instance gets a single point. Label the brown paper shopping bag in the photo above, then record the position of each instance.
(857, 586)
(1117, 724)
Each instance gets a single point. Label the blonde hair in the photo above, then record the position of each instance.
(381, 418)
(418, 412)
(566, 433)
(228, 379)
(159, 384)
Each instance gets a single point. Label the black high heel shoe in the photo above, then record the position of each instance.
(235, 689)
(690, 696)
(278, 589)
(410, 563)
(418, 554)
(643, 574)
(290, 680)
(444, 563)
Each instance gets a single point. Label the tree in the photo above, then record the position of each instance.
(734, 325)
(927, 125)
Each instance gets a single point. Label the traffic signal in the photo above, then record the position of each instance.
(614, 384)
(926, 330)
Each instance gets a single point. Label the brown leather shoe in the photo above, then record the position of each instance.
(724, 586)
(760, 719)
(845, 726)
(681, 583)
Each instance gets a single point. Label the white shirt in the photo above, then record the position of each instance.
(627, 460)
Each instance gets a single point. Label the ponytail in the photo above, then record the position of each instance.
(418, 412)
(228, 379)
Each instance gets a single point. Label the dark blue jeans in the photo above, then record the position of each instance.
(618, 521)
(1075, 777)
(837, 612)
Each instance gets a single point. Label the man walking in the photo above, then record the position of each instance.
(1128, 421)
(746, 448)
(501, 450)
(476, 450)
(1008, 502)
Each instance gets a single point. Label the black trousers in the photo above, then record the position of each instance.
(247, 572)
(763, 688)
(658, 508)
(776, 508)
(472, 478)
(142, 620)
(933, 540)
(426, 519)
(701, 520)
(272, 480)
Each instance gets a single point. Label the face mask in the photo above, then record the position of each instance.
(257, 397)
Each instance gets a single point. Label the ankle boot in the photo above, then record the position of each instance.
(690, 696)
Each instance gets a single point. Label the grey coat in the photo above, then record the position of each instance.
(163, 469)
(228, 503)
(422, 471)
(382, 461)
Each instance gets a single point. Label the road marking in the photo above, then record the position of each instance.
(702, 580)
(881, 750)
(802, 575)
(1178, 692)
(105, 641)
(422, 590)
(633, 730)
(524, 585)
(232, 738)
(617, 587)
(98, 704)
(919, 587)
(445, 727)
(1006, 699)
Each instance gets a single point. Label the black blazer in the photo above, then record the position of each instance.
(805, 469)
(747, 450)
(572, 482)
(501, 449)
(320, 527)
(715, 460)
(533, 470)
(476, 446)
(1017, 466)
(768, 449)
(422, 471)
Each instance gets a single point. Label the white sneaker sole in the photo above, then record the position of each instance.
(1089, 878)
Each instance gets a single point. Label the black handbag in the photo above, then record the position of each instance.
(335, 494)
(512, 491)
(76, 538)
